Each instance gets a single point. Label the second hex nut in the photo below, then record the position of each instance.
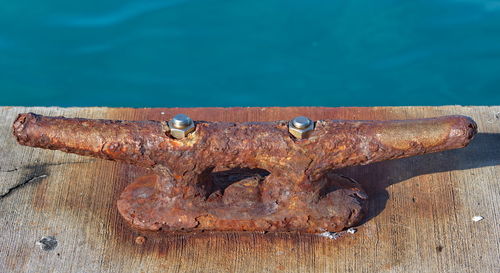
(180, 126)
(300, 127)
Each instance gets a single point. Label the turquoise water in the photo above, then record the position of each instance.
(249, 53)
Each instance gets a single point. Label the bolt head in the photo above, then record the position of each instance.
(301, 122)
(181, 121)
(300, 127)
(181, 126)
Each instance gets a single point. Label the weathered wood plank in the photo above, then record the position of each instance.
(419, 219)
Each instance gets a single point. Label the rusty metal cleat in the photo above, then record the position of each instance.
(253, 176)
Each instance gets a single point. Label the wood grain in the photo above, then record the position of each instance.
(419, 219)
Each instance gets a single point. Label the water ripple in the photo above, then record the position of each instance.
(486, 5)
(403, 59)
(5, 43)
(111, 44)
(121, 14)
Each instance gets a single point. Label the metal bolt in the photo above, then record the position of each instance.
(180, 126)
(300, 127)
(301, 122)
(181, 121)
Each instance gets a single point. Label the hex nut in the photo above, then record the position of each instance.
(300, 133)
(181, 132)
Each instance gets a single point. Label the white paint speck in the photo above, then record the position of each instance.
(477, 218)
(352, 230)
(163, 113)
(330, 235)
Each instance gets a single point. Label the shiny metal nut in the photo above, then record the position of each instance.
(300, 127)
(181, 126)
(301, 122)
(181, 121)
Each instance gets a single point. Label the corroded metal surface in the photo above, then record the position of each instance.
(244, 176)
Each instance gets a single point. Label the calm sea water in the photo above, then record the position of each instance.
(249, 53)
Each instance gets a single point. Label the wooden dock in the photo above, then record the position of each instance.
(420, 217)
